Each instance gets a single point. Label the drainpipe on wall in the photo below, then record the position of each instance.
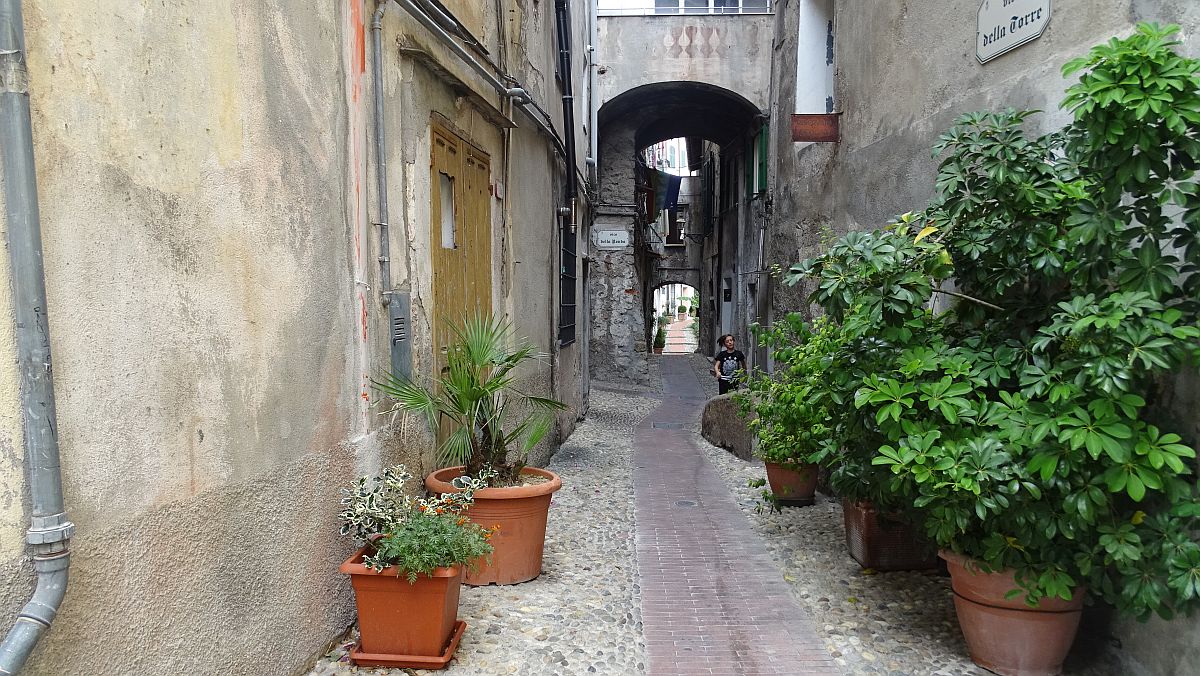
(563, 25)
(49, 531)
(385, 261)
(513, 91)
(593, 158)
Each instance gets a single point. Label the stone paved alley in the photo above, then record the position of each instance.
(657, 561)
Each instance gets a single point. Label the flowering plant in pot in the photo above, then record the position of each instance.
(488, 422)
(407, 573)
(1028, 424)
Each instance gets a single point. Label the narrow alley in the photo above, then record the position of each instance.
(659, 560)
(379, 336)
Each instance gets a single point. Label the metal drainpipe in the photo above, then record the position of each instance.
(563, 25)
(385, 261)
(513, 91)
(593, 158)
(49, 531)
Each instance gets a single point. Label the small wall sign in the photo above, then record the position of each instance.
(1005, 25)
(612, 239)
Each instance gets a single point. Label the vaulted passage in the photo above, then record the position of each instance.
(683, 170)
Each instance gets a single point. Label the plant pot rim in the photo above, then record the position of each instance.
(794, 467)
(354, 566)
(1046, 604)
(439, 482)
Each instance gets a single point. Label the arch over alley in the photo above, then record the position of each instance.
(706, 233)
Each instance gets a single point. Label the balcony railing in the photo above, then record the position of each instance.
(676, 7)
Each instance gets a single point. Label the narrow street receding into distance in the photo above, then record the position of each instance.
(658, 560)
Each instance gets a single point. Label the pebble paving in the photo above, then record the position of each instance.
(583, 614)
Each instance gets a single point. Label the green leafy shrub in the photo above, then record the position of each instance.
(1024, 421)
(413, 535)
(660, 337)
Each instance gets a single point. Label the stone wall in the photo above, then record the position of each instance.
(905, 71)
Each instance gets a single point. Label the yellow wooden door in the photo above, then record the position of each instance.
(460, 235)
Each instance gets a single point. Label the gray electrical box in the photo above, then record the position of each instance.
(400, 333)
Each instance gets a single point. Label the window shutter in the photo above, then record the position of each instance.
(762, 159)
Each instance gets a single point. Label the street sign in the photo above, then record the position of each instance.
(1005, 25)
(612, 239)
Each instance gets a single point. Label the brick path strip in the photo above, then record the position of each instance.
(713, 602)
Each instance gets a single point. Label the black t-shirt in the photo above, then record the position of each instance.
(728, 362)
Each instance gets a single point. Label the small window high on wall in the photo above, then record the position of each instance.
(814, 58)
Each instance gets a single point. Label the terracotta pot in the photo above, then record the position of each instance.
(793, 487)
(405, 625)
(1006, 635)
(521, 513)
(658, 350)
(884, 541)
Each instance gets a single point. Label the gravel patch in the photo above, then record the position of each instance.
(582, 615)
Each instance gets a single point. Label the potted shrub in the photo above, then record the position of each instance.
(1025, 421)
(681, 311)
(819, 367)
(489, 423)
(660, 339)
(407, 572)
(791, 409)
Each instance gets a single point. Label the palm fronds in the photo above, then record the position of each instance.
(476, 398)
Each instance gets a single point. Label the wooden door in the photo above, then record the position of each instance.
(460, 235)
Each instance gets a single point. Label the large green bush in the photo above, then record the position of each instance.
(1023, 421)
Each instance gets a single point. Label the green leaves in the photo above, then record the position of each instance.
(1015, 419)
(1099, 435)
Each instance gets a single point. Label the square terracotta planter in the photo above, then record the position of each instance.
(405, 625)
(881, 542)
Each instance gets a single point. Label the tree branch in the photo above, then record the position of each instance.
(966, 297)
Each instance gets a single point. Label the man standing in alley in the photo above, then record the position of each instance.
(727, 363)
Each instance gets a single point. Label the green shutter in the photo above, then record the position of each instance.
(748, 157)
(762, 159)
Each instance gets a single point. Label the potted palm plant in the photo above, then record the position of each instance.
(485, 421)
(407, 572)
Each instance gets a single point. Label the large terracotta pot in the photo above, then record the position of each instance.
(882, 541)
(521, 513)
(405, 625)
(792, 487)
(1006, 635)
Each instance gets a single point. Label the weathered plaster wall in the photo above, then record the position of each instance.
(207, 190)
(192, 174)
(905, 71)
(727, 50)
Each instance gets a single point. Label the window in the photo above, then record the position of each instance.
(567, 276)
(446, 188)
(676, 225)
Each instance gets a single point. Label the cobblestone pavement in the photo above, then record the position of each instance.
(583, 614)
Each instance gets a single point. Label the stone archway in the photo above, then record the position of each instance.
(625, 267)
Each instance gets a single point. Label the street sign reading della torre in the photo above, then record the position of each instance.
(1005, 25)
